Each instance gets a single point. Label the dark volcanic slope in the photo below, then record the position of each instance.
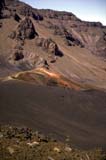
(80, 115)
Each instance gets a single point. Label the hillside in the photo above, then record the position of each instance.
(53, 76)
(40, 38)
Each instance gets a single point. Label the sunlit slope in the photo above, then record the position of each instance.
(77, 64)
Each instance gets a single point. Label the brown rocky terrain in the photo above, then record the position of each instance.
(23, 143)
(41, 38)
(53, 74)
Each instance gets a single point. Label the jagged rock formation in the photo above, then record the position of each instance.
(72, 41)
(49, 45)
(25, 30)
(26, 10)
(58, 15)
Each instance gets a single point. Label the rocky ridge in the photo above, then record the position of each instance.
(76, 32)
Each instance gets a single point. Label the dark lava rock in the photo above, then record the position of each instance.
(49, 45)
(72, 41)
(26, 30)
(16, 17)
(18, 55)
(37, 16)
(2, 4)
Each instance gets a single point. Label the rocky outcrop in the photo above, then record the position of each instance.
(16, 17)
(11, 14)
(26, 10)
(37, 16)
(25, 30)
(48, 45)
(68, 37)
(18, 55)
(2, 4)
(71, 40)
(75, 33)
(60, 15)
(41, 62)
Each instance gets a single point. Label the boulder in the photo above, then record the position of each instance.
(68, 149)
(57, 149)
